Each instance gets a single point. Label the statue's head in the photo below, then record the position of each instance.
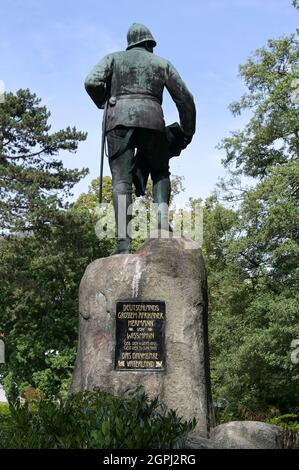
(139, 34)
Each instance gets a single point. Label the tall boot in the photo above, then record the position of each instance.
(161, 193)
(123, 215)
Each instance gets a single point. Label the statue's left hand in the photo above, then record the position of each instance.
(186, 140)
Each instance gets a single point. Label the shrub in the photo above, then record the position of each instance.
(94, 420)
(4, 408)
(289, 421)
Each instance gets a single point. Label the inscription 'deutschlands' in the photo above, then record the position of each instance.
(140, 335)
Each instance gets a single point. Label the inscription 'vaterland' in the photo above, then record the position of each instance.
(140, 335)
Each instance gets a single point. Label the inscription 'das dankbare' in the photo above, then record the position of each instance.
(140, 335)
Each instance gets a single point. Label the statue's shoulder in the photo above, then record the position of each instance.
(112, 56)
(123, 56)
(115, 55)
(164, 63)
(118, 54)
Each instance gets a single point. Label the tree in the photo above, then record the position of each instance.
(39, 282)
(272, 135)
(253, 325)
(33, 182)
(44, 248)
(253, 283)
(90, 200)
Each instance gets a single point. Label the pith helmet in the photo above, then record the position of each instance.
(139, 33)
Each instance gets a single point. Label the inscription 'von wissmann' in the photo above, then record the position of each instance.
(141, 336)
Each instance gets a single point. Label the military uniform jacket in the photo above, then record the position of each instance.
(136, 78)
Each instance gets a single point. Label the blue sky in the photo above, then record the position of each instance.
(50, 46)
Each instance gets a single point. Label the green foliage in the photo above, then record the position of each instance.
(90, 200)
(94, 420)
(44, 248)
(272, 136)
(39, 281)
(4, 408)
(295, 3)
(253, 254)
(33, 182)
(289, 421)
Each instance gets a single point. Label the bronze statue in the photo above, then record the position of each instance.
(131, 83)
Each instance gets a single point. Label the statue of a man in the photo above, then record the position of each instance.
(132, 84)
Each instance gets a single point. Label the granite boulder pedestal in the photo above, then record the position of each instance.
(169, 271)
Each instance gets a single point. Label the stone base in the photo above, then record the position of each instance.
(165, 270)
(246, 435)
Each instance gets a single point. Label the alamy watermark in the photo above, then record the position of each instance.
(147, 219)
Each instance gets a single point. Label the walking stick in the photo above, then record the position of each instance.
(102, 152)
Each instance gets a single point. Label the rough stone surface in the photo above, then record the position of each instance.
(249, 435)
(197, 442)
(166, 270)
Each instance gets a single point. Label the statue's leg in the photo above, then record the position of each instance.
(121, 170)
(161, 196)
(158, 161)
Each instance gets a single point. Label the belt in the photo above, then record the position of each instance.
(140, 96)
